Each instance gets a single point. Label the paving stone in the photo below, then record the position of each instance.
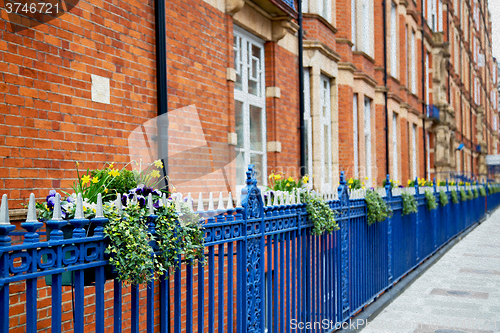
(459, 294)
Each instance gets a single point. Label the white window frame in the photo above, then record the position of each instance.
(354, 26)
(394, 40)
(249, 99)
(308, 122)
(413, 63)
(367, 27)
(428, 162)
(355, 134)
(414, 150)
(395, 155)
(368, 140)
(326, 138)
(325, 9)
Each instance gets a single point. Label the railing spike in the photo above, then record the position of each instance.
(118, 202)
(79, 207)
(269, 199)
(150, 204)
(178, 202)
(164, 200)
(276, 194)
(298, 196)
(4, 210)
(287, 200)
(238, 200)
(56, 213)
(282, 198)
(230, 201)
(32, 209)
(200, 203)
(220, 205)
(211, 202)
(190, 201)
(99, 210)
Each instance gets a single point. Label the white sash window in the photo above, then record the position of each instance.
(249, 105)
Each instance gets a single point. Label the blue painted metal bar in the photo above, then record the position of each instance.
(220, 289)
(134, 304)
(100, 280)
(189, 299)
(164, 304)
(117, 307)
(177, 297)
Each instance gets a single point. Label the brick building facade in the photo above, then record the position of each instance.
(400, 103)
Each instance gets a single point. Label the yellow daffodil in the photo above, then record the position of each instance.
(278, 176)
(409, 181)
(174, 189)
(363, 187)
(95, 180)
(158, 164)
(305, 179)
(77, 164)
(366, 178)
(155, 173)
(290, 179)
(105, 190)
(350, 181)
(113, 172)
(85, 180)
(271, 175)
(111, 166)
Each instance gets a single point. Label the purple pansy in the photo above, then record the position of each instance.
(141, 200)
(156, 204)
(70, 199)
(52, 194)
(124, 200)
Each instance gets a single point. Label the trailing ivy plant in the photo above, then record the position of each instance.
(431, 200)
(179, 236)
(454, 196)
(476, 193)
(321, 214)
(463, 195)
(443, 198)
(409, 203)
(482, 191)
(129, 245)
(378, 210)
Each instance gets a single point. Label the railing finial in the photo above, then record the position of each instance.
(4, 210)
(32, 209)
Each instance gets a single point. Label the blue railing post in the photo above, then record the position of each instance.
(343, 192)
(253, 214)
(417, 221)
(5, 228)
(388, 192)
(434, 215)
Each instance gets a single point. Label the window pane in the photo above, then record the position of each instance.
(326, 153)
(256, 160)
(254, 64)
(256, 128)
(238, 116)
(237, 62)
(241, 168)
(306, 145)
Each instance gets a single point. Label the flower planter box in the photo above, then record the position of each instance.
(68, 278)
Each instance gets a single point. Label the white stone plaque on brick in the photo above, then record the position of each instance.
(100, 89)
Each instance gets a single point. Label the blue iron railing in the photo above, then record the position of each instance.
(432, 111)
(265, 270)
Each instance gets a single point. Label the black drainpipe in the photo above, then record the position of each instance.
(424, 91)
(161, 83)
(384, 4)
(303, 161)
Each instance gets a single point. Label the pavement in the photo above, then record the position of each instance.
(460, 293)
